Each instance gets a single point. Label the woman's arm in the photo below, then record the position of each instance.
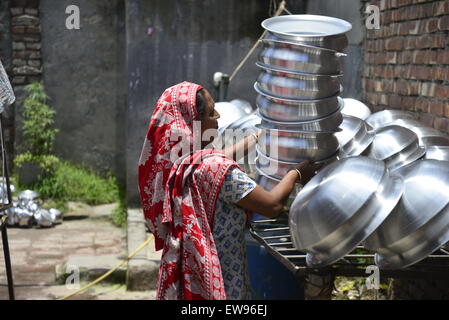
(240, 149)
(270, 203)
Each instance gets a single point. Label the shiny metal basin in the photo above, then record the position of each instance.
(431, 137)
(355, 108)
(315, 30)
(419, 224)
(355, 137)
(437, 153)
(396, 146)
(277, 168)
(301, 58)
(297, 146)
(294, 85)
(229, 113)
(341, 206)
(383, 118)
(275, 108)
(329, 123)
(234, 133)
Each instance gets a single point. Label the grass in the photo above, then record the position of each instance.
(75, 183)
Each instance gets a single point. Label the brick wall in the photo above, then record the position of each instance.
(26, 43)
(406, 61)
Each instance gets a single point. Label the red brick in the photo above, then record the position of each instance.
(394, 44)
(441, 92)
(436, 108)
(408, 103)
(421, 72)
(427, 89)
(440, 8)
(430, 41)
(33, 30)
(425, 10)
(422, 104)
(427, 119)
(18, 29)
(441, 124)
(446, 109)
(394, 101)
(401, 3)
(405, 57)
(430, 26)
(443, 57)
(443, 23)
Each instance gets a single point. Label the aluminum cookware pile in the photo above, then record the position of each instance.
(237, 120)
(393, 199)
(28, 212)
(298, 93)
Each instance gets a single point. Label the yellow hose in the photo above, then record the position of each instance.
(104, 276)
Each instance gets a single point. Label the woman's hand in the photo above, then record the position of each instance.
(308, 170)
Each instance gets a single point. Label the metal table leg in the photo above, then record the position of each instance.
(7, 260)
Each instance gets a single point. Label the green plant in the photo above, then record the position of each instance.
(75, 183)
(38, 119)
(38, 133)
(120, 213)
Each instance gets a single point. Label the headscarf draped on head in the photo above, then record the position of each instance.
(178, 194)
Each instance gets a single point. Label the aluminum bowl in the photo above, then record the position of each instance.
(44, 218)
(295, 85)
(234, 133)
(355, 108)
(437, 153)
(301, 58)
(12, 217)
(429, 137)
(419, 223)
(57, 215)
(383, 118)
(229, 113)
(355, 137)
(396, 146)
(28, 195)
(329, 123)
(277, 168)
(295, 110)
(315, 30)
(25, 218)
(297, 146)
(340, 207)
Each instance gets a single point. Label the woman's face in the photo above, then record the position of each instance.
(211, 115)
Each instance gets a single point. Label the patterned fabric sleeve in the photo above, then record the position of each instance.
(236, 185)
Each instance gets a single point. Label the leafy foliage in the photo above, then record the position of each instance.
(38, 120)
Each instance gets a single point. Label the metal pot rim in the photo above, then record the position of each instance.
(307, 46)
(271, 69)
(272, 97)
(267, 24)
(281, 123)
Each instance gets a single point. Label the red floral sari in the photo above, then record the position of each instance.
(178, 194)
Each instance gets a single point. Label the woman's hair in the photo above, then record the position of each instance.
(200, 104)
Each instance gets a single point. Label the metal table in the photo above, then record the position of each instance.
(274, 235)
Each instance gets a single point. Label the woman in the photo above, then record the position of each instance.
(196, 200)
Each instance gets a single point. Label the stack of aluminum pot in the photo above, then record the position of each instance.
(28, 211)
(298, 92)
